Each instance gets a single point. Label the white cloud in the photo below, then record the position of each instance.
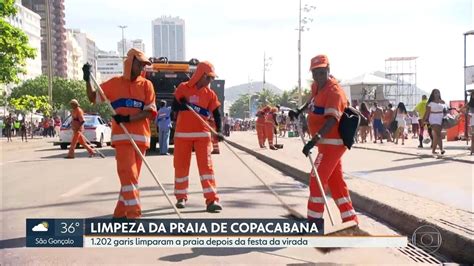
(39, 228)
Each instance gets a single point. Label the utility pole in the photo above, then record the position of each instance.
(301, 28)
(123, 40)
(49, 52)
(299, 57)
(266, 64)
(466, 132)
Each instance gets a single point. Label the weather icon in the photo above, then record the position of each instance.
(41, 227)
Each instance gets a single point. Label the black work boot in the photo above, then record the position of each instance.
(181, 204)
(213, 207)
(420, 138)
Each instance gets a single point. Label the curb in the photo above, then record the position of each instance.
(453, 245)
(412, 154)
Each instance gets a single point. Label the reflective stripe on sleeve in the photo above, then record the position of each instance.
(332, 111)
(151, 106)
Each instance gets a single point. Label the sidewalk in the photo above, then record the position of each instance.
(455, 150)
(402, 210)
(18, 144)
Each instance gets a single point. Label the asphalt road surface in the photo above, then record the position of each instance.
(37, 182)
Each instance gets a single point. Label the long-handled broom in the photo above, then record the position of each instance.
(294, 213)
(137, 149)
(334, 228)
(90, 144)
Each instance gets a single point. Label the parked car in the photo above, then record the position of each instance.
(96, 131)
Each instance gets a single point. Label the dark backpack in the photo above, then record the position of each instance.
(348, 126)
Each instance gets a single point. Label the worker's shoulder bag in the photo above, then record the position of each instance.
(348, 125)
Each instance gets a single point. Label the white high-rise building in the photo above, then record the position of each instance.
(129, 44)
(109, 64)
(88, 48)
(168, 38)
(74, 57)
(29, 22)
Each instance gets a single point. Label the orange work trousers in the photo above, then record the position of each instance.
(328, 165)
(183, 148)
(269, 127)
(77, 136)
(260, 127)
(129, 164)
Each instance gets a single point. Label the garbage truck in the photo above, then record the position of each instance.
(166, 76)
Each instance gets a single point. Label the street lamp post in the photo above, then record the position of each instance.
(123, 40)
(466, 135)
(267, 62)
(301, 28)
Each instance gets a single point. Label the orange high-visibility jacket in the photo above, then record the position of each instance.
(128, 98)
(331, 101)
(204, 101)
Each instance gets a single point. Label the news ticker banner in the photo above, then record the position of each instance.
(189, 233)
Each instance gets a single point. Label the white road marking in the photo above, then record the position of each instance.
(78, 189)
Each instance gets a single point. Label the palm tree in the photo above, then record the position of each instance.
(267, 97)
(286, 99)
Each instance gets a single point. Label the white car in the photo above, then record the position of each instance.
(96, 131)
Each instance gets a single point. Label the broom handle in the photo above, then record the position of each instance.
(137, 149)
(318, 180)
(90, 144)
(285, 205)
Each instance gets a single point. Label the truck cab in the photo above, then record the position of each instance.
(166, 76)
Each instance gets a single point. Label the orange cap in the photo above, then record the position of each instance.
(139, 55)
(319, 61)
(207, 68)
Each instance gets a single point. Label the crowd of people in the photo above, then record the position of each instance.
(19, 126)
(398, 124)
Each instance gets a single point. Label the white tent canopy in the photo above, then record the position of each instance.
(367, 79)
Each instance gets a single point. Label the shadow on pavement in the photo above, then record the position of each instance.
(31, 161)
(218, 252)
(50, 149)
(280, 188)
(405, 167)
(81, 154)
(71, 203)
(19, 242)
(167, 186)
(158, 214)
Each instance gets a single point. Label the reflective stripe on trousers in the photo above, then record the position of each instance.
(128, 169)
(182, 158)
(328, 165)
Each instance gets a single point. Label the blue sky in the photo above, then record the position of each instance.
(357, 36)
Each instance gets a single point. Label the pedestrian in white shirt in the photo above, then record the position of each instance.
(434, 116)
